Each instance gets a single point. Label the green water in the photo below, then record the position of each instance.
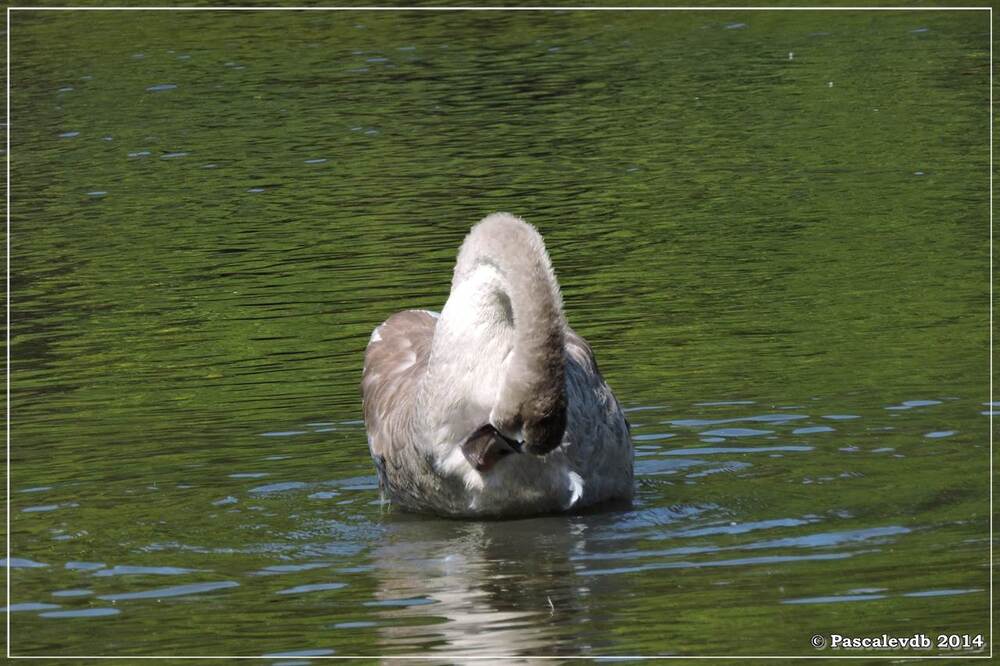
(773, 227)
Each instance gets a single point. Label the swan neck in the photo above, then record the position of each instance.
(532, 395)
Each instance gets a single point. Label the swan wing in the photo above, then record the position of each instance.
(581, 352)
(395, 360)
(596, 426)
(594, 402)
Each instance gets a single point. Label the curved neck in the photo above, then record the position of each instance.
(506, 298)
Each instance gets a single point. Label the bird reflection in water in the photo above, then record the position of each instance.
(500, 588)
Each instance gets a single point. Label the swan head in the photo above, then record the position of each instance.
(545, 434)
(538, 423)
(488, 444)
(535, 428)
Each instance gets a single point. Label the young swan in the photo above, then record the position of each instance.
(495, 407)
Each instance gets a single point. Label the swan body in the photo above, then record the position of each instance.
(494, 407)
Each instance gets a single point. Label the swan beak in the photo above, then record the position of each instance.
(486, 446)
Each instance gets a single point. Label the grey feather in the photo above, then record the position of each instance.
(500, 355)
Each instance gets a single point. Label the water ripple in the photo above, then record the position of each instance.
(172, 591)
(314, 587)
(83, 612)
(128, 570)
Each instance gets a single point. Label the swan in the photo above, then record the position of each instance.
(495, 407)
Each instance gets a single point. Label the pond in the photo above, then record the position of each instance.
(773, 227)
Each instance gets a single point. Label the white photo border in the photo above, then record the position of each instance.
(7, 132)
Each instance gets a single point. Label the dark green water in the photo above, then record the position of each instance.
(773, 228)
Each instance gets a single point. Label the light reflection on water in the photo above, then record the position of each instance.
(417, 583)
(779, 277)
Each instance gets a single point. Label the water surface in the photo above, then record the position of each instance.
(772, 227)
